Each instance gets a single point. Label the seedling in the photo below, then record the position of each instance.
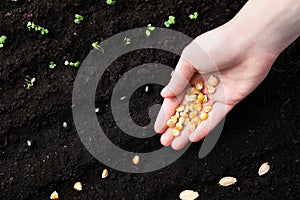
(150, 28)
(52, 65)
(193, 16)
(72, 64)
(111, 2)
(31, 25)
(127, 40)
(29, 82)
(2, 40)
(78, 19)
(170, 21)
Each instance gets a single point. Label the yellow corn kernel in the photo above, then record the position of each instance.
(212, 81)
(175, 132)
(180, 108)
(203, 116)
(179, 126)
(186, 115)
(170, 123)
(198, 84)
(195, 120)
(181, 120)
(200, 97)
(186, 122)
(182, 114)
(211, 89)
(191, 126)
(177, 114)
(174, 118)
(192, 90)
(191, 97)
(197, 107)
(205, 99)
(207, 108)
(193, 114)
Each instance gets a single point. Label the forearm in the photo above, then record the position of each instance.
(269, 24)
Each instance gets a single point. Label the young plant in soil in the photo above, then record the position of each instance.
(2, 41)
(111, 2)
(29, 82)
(150, 28)
(52, 65)
(127, 40)
(31, 25)
(78, 19)
(170, 21)
(194, 15)
(77, 64)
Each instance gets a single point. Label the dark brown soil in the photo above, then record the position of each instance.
(264, 127)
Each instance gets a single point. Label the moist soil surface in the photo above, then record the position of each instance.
(262, 128)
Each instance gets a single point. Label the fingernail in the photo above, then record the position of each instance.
(192, 137)
(164, 91)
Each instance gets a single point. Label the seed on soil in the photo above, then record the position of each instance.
(207, 108)
(97, 110)
(227, 181)
(136, 160)
(78, 186)
(65, 124)
(29, 143)
(54, 195)
(104, 173)
(188, 195)
(147, 89)
(211, 89)
(212, 81)
(264, 168)
(203, 116)
(122, 98)
(175, 132)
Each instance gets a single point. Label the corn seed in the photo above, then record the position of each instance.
(193, 114)
(199, 84)
(175, 132)
(104, 173)
(186, 122)
(191, 126)
(54, 195)
(78, 186)
(191, 97)
(203, 116)
(212, 81)
(174, 118)
(227, 181)
(264, 168)
(136, 160)
(211, 89)
(181, 120)
(200, 97)
(188, 195)
(197, 107)
(192, 90)
(177, 114)
(171, 123)
(207, 108)
(179, 126)
(180, 108)
(205, 99)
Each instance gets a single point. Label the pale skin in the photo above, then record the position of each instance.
(244, 50)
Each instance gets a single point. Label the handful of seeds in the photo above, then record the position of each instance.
(197, 108)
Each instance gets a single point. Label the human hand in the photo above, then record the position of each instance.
(240, 65)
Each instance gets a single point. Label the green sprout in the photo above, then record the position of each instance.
(111, 2)
(72, 64)
(29, 82)
(170, 21)
(52, 65)
(150, 28)
(31, 25)
(95, 45)
(193, 16)
(78, 19)
(127, 40)
(2, 40)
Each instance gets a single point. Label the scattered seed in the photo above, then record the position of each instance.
(207, 108)
(191, 97)
(188, 195)
(264, 168)
(136, 160)
(65, 124)
(227, 181)
(212, 81)
(29, 143)
(78, 186)
(104, 173)
(203, 116)
(97, 110)
(54, 195)
(147, 88)
(211, 89)
(175, 132)
(171, 123)
(122, 98)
